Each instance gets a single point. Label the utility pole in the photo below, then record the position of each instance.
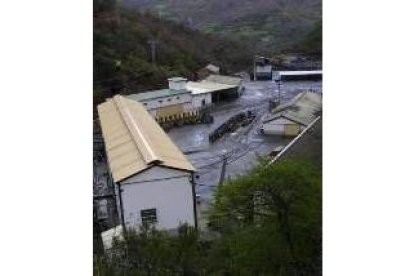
(278, 86)
(254, 68)
(153, 44)
(223, 170)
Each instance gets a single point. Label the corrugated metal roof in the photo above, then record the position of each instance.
(134, 141)
(205, 86)
(224, 79)
(300, 109)
(156, 94)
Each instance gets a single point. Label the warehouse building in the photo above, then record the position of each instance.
(290, 118)
(153, 179)
(174, 100)
(188, 102)
(214, 89)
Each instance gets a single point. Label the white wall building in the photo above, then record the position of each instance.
(153, 179)
(166, 102)
(290, 118)
(214, 88)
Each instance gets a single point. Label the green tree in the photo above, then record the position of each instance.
(271, 219)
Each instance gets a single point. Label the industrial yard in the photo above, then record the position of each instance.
(241, 148)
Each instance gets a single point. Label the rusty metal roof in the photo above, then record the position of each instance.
(134, 141)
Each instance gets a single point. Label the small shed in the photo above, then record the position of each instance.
(153, 179)
(290, 118)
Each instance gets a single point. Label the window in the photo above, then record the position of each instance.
(169, 100)
(160, 101)
(149, 216)
(203, 102)
(178, 98)
(145, 104)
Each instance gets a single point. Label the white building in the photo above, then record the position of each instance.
(166, 102)
(290, 118)
(213, 89)
(153, 179)
(184, 98)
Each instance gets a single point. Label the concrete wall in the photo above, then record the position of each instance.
(153, 105)
(264, 69)
(167, 190)
(177, 85)
(198, 98)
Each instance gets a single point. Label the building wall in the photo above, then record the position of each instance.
(167, 190)
(264, 69)
(154, 104)
(198, 99)
(281, 126)
(177, 85)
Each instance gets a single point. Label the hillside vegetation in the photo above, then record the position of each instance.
(272, 25)
(122, 54)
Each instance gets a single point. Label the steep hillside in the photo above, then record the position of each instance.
(273, 25)
(122, 54)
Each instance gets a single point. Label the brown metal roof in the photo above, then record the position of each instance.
(134, 141)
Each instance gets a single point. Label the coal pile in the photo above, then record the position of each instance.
(241, 119)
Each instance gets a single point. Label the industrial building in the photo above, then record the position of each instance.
(185, 98)
(290, 118)
(153, 180)
(262, 69)
(176, 99)
(214, 89)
